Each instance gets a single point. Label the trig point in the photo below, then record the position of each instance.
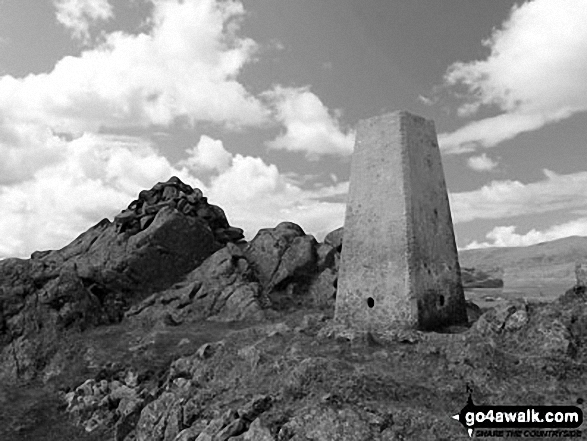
(399, 265)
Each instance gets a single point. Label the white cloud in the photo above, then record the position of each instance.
(481, 163)
(507, 237)
(78, 15)
(53, 187)
(501, 199)
(99, 175)
(256, 195)
(535, 73)
(186, 65)
(309, 126)
(96, 177)
(209, 154)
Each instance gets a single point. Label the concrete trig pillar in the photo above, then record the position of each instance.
(399, 265)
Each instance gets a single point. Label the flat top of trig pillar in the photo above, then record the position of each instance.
(398, 115)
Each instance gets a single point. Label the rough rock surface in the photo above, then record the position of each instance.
(175, 194)
(334, 238)
(204, 356)
(223, 288)
(282, 253)
(103, 271)
(309, 380)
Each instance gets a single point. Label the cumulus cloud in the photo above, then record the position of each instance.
(481, 163)
(501, 199)
(309, 126)
(79, 15)
(59, 166)
(186, 66)
(506, 236)
(535, 73)
(98, 175)
(257, 195)
(208, 154)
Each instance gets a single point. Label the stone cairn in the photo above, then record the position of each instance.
(182, 197)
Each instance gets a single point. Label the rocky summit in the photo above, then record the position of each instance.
(166, 325)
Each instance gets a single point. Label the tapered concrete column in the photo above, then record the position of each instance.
(399, 265)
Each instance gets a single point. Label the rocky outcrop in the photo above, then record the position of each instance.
(164, 234)
(282, 254)
(303, 391)
(223, 288)
(284, 260)
(280, 268)
(334, 239)
(548, 331)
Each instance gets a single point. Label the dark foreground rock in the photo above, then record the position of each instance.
(95, 278)
(303, 377)
(223, 288)
(240, 343)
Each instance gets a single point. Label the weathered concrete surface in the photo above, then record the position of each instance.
(399, 263)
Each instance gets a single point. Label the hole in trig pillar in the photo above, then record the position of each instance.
(370, 302)
(441, 300)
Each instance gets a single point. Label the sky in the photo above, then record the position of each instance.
(255, 103)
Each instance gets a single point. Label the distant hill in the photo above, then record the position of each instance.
(544, 263)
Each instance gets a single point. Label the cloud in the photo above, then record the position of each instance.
(309, 126)
(426, 100)
(99, 175)
(78, 15)
(502, 199)
(95, 177)
(507, 237)
(185, 66)
(489, 132)
(481, 163)
(535, 73)
(60, 173)
(208, 154)
(256, 195)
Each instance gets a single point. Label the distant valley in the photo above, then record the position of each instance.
(540, 271)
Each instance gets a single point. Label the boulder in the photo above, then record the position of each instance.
(256, 432)
(322, 289)
(334, 238)
(509, 316)
(223, 288)
(282, 255)
(326, 256)
(473, 312)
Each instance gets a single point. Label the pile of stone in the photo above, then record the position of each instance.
(181, 197)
